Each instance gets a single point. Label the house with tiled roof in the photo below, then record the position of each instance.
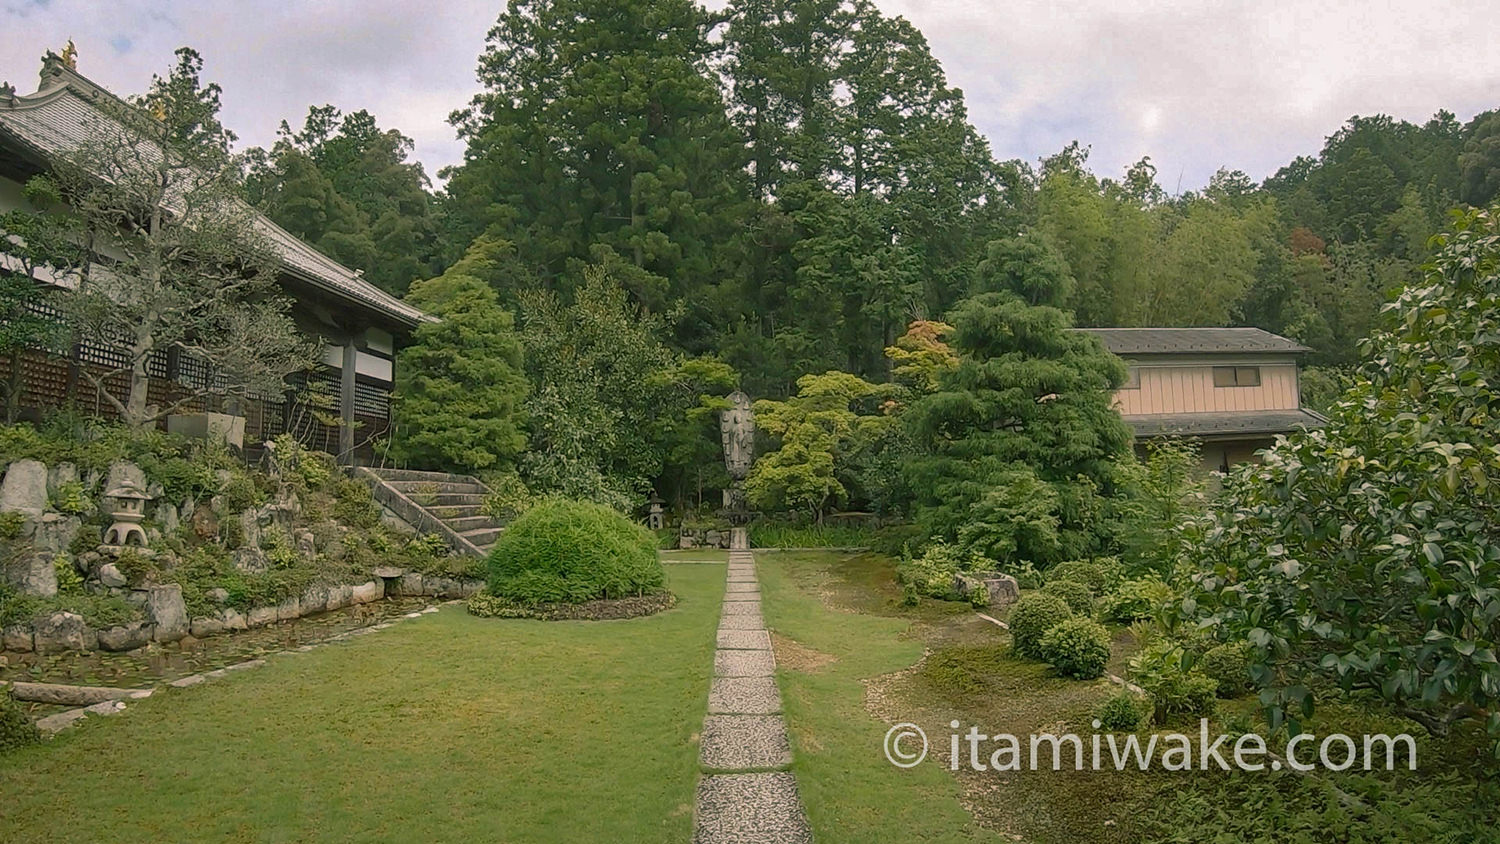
(360, 325)
(1233, 390)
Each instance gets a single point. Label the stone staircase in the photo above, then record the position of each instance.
(451, 506)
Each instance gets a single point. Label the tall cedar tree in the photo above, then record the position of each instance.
(601, 137)
(1019, 440)
(460, 384)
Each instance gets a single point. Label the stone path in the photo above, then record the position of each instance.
(746, 795)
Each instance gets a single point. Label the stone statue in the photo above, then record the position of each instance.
(737, 433)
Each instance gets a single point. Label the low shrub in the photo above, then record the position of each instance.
(1079, 597)
(486, 605)
(1229, 666)
(1032, 617)
(932, 573)
(564, 551)
(16, 730)
(1077, 648)
(69, 581)
(774, 535)
(354, 505)
(240, 493)
(70, 497)
(1087, 572)
(1175, 690)
(979, 597)
(1121, 713)
(98, 610)
(1136, 600)
(11, 525)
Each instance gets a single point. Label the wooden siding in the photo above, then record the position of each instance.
(1190, 389)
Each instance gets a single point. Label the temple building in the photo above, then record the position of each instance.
(342, 407)
(1230, 389)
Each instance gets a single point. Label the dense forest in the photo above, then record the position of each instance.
(789, 183)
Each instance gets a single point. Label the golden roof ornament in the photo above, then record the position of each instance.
(70, 56)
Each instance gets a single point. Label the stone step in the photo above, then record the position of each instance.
(417, 475)
(453, 512)
(436, 489)
(740, 808)
(482, 536)
(459, 499)
(469, 523)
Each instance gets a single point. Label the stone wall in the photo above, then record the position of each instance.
(41, 541)
(691, 537)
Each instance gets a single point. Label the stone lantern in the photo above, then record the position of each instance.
(130, 510)
(654, 518)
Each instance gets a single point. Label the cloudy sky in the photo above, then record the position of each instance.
(1195, 84)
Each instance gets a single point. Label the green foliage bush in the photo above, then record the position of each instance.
(932, 574)
(1121, 713)
(69, 581)
(1365, 554)
(240, 493)
(1136, 600)
(1091, 574)
(71, 498)
(1079, 597)
(1229, 666)
(97, 610)
(564, 551)
(354, 505)
(1175, 689)
(16, 730)
(11, 525)
(1032, 617)
(1077, 648)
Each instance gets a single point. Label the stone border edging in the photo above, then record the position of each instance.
(53, 724)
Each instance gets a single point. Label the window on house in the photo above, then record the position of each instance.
(1132, 379)
(1236, 376)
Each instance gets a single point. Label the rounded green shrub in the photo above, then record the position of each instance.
(1080, 599)
(1086, 572)
(1030, 619)
(563, 551)
(1175, 689)
(16, 730)
(1229, 666)
(1120, 714)
(1077, 648)
(1136, 600)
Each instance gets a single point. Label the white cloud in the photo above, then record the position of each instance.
(1241, 83)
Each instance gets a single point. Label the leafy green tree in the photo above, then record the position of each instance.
(345, 185)
(1480, 161)
(601, 382)
(1365, 555)
(1029, 407)
(187, 268)
(815, 430)
(460, 385)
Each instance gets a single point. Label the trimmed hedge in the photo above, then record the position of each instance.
(1079, 597)
(1120, 714)
(569, 552)
(1030, 619)
(1077, 648)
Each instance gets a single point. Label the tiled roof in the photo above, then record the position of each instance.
(1223, 424)
(58, 117)
(1184, 341)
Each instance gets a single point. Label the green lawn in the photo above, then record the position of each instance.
(443, 728)
(850, 790)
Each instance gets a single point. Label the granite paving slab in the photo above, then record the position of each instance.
(741, 597)
(744, 664)
(750, 809)
(745, 640)
(744, 696)
(740, 586)
(742, 622)
(744, 743)
(751, 607)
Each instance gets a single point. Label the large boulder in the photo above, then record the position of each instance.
(234, 619)
(64, 631)
(55, 532)
(204, 522)
(289, 610)
(165, 607)
(24, 489)
(1003, 589)
(366, 593)
(60, 476)
(17, 637)
(125, 473)
(31, 573)
(314, 599)
(260, 616)
(205, 627)
(111, 576)
(126, 637)
(340, 596)
(411, 584)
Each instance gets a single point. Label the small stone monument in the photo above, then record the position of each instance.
(737, 434)
(130, 509)
(654, 516)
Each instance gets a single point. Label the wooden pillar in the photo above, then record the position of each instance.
(346, 402)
